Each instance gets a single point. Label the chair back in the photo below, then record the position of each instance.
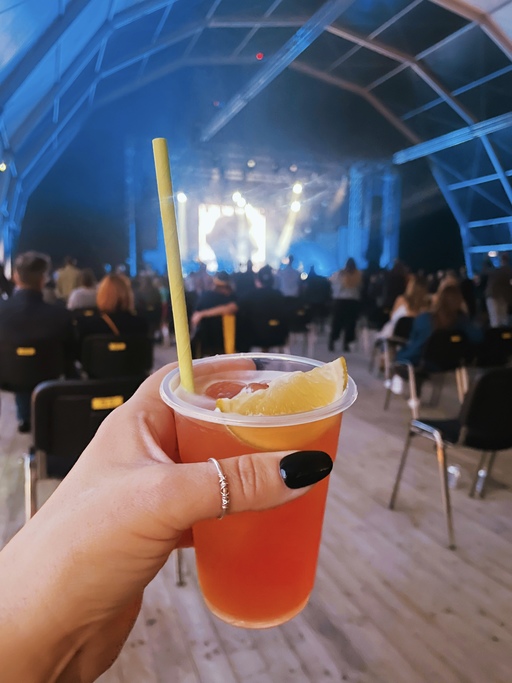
(496, 348)
(403, 327)
(105, 355)
(485, 415)
(67, 413)
(23, 366)
(446, 350)
(87, 312)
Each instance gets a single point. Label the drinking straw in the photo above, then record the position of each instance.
(172, 252)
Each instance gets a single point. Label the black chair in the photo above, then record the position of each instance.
(445, 351)
(483, 424)
(24, 366)
(105, 355)
(65, 417)
(390, 345)
(495, 349)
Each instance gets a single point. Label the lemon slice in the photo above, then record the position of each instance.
(293, 392)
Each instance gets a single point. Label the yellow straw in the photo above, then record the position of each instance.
(172, 251)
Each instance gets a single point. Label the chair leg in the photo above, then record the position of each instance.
(30, 470)
(401, 466)
(445, 492)
(372, 359)
(480, 465)
(414, 401)
(178, 560)
(388, 396)
(489, 467)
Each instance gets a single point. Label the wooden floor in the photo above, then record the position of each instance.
(391, 604)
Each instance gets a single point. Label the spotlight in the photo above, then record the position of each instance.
(297, 188)
(259, 56)
(181, 197)
(295, 207)
(3, 166)
(241, 203)
(237, 196)
(492, 254)
(251, 163)
(293, 168)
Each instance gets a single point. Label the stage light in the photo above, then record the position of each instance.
(251, 163)
(237, 196)
(259, 56)
(181, 197)
(492, 254)
(295, 207)
(303, 276)
(3, 166)
(241, 202)
(297, 188)
(293, 168)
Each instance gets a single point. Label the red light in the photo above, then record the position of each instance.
(259, 56)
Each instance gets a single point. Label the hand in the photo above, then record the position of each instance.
(71, 581)
(196, 319)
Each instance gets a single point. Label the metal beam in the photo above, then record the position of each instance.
(501, 220)
(358, 90)
(306, 35)
(484, 248)
(47, 41)
(457, 137)
(477, 181)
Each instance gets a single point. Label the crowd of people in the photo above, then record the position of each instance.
(268, 304)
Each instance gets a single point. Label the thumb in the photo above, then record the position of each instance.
(257, 481)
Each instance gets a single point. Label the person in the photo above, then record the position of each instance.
(414, 301)
(148, 303)
(289, 282)
(116, 310)
(6, 286)
(66, 278)
(245, 281)
(72, 579)
(84, 296)
(317, 295)
(206, 320)
(498, 293)
(26, 319)
(346, 292)
(447, 314)
(256, 308)
(395, 282)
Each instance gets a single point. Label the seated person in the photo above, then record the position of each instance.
(25, 318)
(256, 309)
(84, 296)
(116, 312)
(208, 338)
(446, 314)
(412, 302)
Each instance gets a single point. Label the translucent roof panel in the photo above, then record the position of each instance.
(120, 44)
(423, 26)
(489, 99)
(82, 30)
(232, 8)
(21, 24)
(435, 121)
(470, 56)
(364, 67)
(326, 50)
(367, 16)
(468, 159)
(404, 92)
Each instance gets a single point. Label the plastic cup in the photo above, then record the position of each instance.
(256, 569)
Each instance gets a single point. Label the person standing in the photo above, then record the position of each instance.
(346, 292)
(288, 282)
(67, 278)
(498, 293)
(26, 319)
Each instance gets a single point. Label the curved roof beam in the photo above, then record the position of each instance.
(283, 58)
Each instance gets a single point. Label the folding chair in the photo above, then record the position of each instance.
(495, 349)
(445, 351)
(105, 355)
(389, 346)
(483, 424)
(65, 417)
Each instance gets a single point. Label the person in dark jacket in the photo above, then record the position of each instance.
(208, 338)
(26, 319)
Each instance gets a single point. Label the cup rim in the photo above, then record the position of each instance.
(215, 416)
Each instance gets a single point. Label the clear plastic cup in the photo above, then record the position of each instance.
(256, 569)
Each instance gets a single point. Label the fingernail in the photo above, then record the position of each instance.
(304, 468)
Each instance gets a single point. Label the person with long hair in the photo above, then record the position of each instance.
(346, 293)
(412, 302)
(116, 310)
(83, 296)
(446, 314)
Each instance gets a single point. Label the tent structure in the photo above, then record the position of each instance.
(439, 74)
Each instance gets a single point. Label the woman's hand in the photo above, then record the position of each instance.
(71, 581)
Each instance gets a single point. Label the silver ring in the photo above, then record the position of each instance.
(224, 488)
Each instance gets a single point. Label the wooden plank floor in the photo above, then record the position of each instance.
(391, 603)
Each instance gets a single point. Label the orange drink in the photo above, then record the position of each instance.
(255, 569)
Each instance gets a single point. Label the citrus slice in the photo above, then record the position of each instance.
(291, 392)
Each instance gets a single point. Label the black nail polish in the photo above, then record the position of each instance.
(304, 468)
